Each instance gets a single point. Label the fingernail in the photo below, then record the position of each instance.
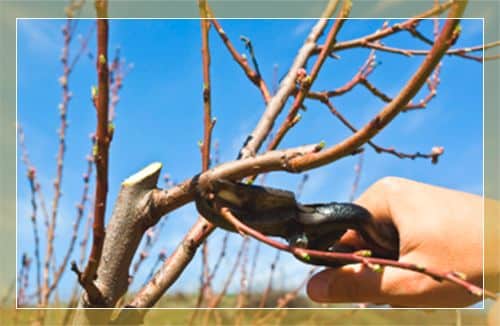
(318, 287)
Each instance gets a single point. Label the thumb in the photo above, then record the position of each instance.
(350, 283)
(358, 283)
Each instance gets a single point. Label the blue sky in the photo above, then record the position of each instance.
(159, 118)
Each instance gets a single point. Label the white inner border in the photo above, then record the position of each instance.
(287, 308)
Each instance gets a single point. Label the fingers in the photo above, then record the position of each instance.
(350, 283)
(358, 283)
(376, 199)
(397, 287)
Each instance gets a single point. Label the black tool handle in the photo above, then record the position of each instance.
(326, 223)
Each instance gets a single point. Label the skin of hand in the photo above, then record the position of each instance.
(438, 227)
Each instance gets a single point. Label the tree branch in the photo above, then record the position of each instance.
(362, 257)
(275, 105)
(444, 41)
(101, 153)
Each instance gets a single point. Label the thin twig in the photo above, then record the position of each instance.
(80, 207)
(31, 175)
(253, 267)
(284, 300)
(63, 108)
(242, 295)
(23, 280)
(362, 257)
(103, 140)
(390, 30)
(277, 102)
(152, 235)
(253, 75)
(215, 301)
(446, 38)
(306, 81)
(208, 125)
(268, 289)
(461, 52)
(357, 177)
(433, 155)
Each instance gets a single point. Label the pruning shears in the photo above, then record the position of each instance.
(276, 212)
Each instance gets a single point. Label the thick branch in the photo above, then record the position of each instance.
(275, 105)
(132, 216)
(362, 257)
(444, 41)
(307, 81)
(173, 267)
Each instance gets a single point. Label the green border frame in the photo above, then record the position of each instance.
(487, 9)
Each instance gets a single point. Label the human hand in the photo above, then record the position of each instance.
(437, 227)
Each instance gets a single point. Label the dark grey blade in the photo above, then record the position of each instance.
(253, 198)
(206, 209)
(272, 212)
(275, 212)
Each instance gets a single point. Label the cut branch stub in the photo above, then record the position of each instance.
(132, 215)
(130, 219)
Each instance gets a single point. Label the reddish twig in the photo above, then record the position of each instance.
(221, 256)
(161, 258)
(433, 155)
(172, 266)
(23, 280)
(305, 81)
(80, 207)
(292, 160)
(152, 235)
(287, 86)
(215, 301)
(26, 161)
(242, 295)
(461, 52)
(83, 254)
(363, 72)
(446, 38)
(63, 107)
(253, 75)
(361, 79)
(208, 125)
(116, 76)
(103, 139)
(268, 289)
(253, 267)
(362, 257)
(437, 9)
(284, 300)
(34, 188)
(118, 70)
(83, 47)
